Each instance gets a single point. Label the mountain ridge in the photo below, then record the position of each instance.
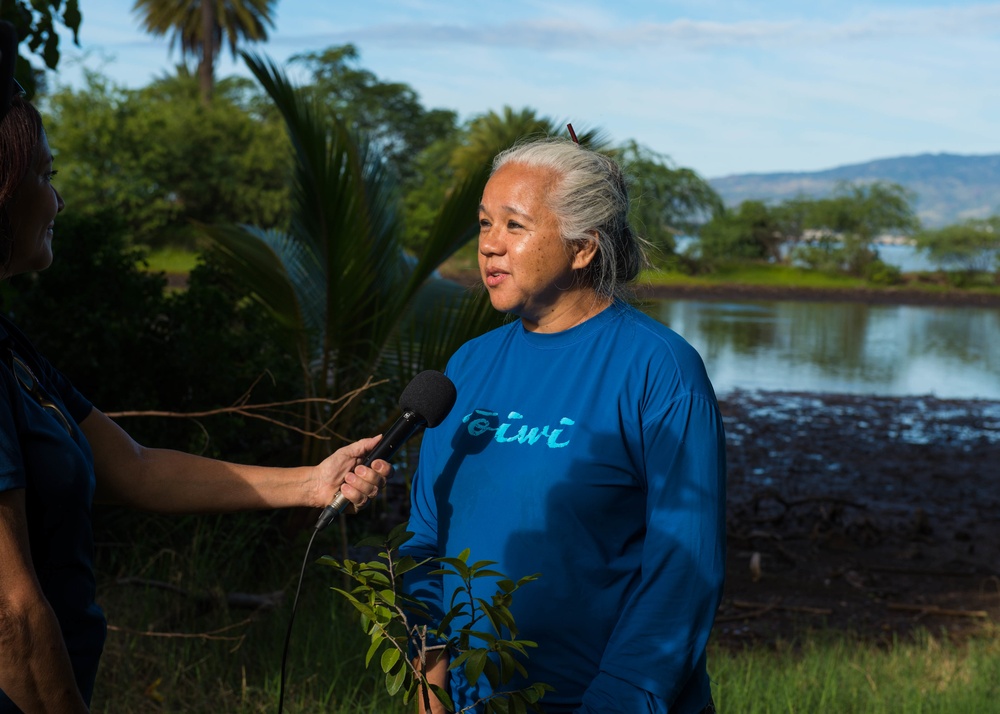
(949, 188)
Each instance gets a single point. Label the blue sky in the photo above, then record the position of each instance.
(720, 86)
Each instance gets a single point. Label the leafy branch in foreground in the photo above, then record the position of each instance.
(403, 644)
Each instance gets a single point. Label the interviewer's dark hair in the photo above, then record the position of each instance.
(590, 197)
(20, 132)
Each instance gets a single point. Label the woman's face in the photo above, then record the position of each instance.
(527, 269)
(32, 210)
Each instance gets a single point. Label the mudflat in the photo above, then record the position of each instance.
(870, 515)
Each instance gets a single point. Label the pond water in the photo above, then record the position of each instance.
(849, 348)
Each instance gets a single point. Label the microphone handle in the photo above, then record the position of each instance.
(404, 427)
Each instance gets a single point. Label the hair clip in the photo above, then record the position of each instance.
(572, 134)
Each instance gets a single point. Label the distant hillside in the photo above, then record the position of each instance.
(949, 187)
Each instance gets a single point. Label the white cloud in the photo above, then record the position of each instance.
(569, 33)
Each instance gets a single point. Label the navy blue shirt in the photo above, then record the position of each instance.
(55, 467)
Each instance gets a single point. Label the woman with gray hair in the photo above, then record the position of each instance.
(586, 445)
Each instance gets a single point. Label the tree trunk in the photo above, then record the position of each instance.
(206, 66)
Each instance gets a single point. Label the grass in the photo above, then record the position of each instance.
(171, 261)
(786, 276)
(757, 274)
(168, 653)
(833, 672)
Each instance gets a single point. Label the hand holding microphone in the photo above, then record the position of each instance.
(425, 402)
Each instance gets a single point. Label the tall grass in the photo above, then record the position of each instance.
(167, 652)
(832, 672)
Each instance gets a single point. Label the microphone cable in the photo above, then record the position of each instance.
(291, 620)
(425, 402)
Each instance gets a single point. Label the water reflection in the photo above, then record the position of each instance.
(842, 347)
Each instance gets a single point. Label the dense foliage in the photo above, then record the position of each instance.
(162, 159)
(129, 345)
(835, 234)
(970, 247)
(35, 23)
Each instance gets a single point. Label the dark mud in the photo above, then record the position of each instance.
(874, 516)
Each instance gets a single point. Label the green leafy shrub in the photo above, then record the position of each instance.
(394, 622)
(879, 273)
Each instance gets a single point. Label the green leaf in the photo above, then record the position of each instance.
(479, 564)
(377, 641)
(487, 574)
(374, 541)
(346, 594)
(475, 664)
(457, 661)
(389, 659)
(458, 565)
(405, 565)
(443, 695)
(492, 673)
(517, 705)
(394, 681)
(499, 704)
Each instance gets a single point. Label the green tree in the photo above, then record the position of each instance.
(199, 27)
(751, 232)
(337, 279)
(486, 135)
(850, 220)
(667, 200)
(35, 24)
(388, 114)
(162, 159)
(972, 246)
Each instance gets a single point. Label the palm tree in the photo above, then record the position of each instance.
(199, 26)
(354, 305)
(490, 133)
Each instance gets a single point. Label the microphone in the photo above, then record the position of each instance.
(426, 401)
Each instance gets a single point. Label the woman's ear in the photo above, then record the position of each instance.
(584, 251)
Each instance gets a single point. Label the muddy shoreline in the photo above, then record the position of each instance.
(870, 515)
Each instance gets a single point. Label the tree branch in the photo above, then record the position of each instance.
(272, 412)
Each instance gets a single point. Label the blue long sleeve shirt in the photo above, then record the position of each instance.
(595, 457)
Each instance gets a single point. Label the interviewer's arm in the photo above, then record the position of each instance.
(176, 482)
(35, 670)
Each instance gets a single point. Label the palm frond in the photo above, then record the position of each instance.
(445, 316)
(274, 274)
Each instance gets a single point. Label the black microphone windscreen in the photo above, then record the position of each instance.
(431, 395)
